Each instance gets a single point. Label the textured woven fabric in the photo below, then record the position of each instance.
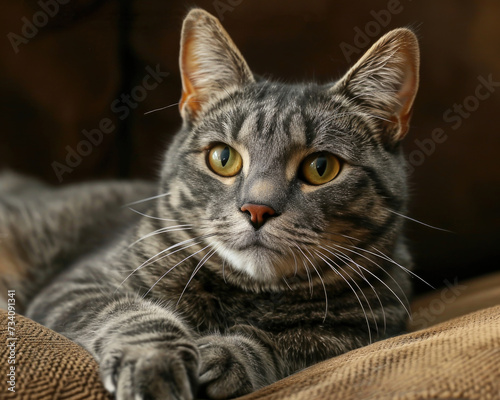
(48, 366)
(459, 359)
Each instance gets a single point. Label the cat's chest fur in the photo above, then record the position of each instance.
(212, 303)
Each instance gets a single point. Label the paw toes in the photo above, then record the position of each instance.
(139, 373)
(110, 369)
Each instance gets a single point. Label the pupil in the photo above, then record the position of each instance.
(321, 165)
(224, 156)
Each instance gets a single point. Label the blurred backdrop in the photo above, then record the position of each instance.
(78, 79)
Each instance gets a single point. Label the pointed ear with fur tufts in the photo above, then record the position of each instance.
(210, 63)
(384, 83)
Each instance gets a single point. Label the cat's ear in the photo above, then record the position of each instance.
(384, 83)
(210, 63)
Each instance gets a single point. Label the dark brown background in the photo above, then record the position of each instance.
(67, 76)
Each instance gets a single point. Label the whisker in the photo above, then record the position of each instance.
(382, 256)
(385, 284)
(359, 288)
(149, 261)
(323, 283)
(163, 230)
(161, 108)
(173, 252)
(150, 216)
(144, 200)
(337, 246)
(387, 258)
(354, 291)
(364, 279)
(180, 262)
(417, 221)
(200, 264)
(295, 260)
(307, 271)
(224, 271)
(286, 283)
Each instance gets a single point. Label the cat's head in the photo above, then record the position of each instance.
(281, 174)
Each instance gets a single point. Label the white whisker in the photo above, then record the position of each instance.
(286, 283)
(338, 246)
(354, 291)
(224, 271)
(417, 221)
(307, 271)
(322, 282)
(383, 256)
(163, 230)
(359, 272)
(296, 268)
(169, 254)
(150, 216)
(144, 200)
(200, 264)
(180, 262)
(383, 283)
(161, 108)
(149, 261)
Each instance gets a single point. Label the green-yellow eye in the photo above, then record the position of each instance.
(320, 168)
(224, 160)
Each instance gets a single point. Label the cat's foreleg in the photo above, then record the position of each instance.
(237, 363)
(147, 352)
(247, 358)
(144, 350)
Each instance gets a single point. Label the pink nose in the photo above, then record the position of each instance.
(259, 214)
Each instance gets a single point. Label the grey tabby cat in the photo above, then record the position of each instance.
(272, 242)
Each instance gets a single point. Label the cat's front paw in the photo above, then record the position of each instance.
(165, 371)
(226, 370)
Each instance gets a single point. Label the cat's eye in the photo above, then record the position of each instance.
(320, 168)
(224, 160)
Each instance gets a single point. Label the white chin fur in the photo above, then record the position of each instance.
(256, 266)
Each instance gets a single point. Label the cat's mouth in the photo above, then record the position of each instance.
(252, 242)
(258, 255)
(256, 242)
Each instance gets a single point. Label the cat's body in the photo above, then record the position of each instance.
(266, 269)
